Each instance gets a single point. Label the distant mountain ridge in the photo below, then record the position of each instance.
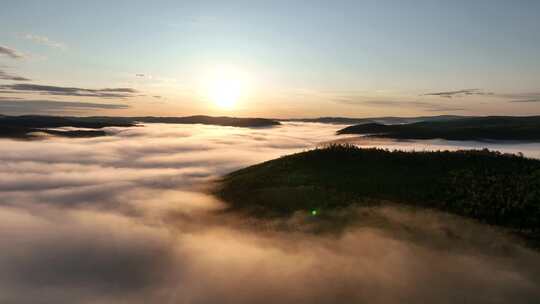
(25, 126)
(211, 120)
(389, 120)
(472, 128)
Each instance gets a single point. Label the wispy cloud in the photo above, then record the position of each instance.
(444, 109)
(432, 105)
(509, 97)
(523, 97)
(11, 105)
(9, 52)
(69, 91)
(6, 76)
(459, 93)
(526, 100)
(427, 106)
(44, 40)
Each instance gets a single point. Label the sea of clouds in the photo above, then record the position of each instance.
(129, 218)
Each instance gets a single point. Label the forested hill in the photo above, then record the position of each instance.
(475, 128)
(27, 125)
(488, 186)
(391, 120)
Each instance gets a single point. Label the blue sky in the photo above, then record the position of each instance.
(296, 58)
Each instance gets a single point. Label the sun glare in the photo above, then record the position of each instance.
(225, 92)
(225, 87)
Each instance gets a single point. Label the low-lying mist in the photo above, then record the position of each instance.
(128, 218)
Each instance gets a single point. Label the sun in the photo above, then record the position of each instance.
(225, 87)
(225, 92)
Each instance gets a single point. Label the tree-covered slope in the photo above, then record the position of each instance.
(474, 128)
(27, 125)
(487, 186)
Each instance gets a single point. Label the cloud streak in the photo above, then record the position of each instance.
(6, 76)
(69, 91)
(25, 106)
(459, 93)
(510, 97)
(427, 106)
(43, 40)
(523, 97)
(9, 52)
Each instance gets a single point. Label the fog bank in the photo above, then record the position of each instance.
(129, 219)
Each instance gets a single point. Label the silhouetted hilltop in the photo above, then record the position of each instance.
(474, 128)
(27, 125)
(367, 128)
(211, 120)
(38, 121)
(488, 186)
(382, 120)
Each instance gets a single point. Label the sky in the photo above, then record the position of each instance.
(270, 58)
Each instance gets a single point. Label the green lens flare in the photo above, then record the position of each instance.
(314, 212)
